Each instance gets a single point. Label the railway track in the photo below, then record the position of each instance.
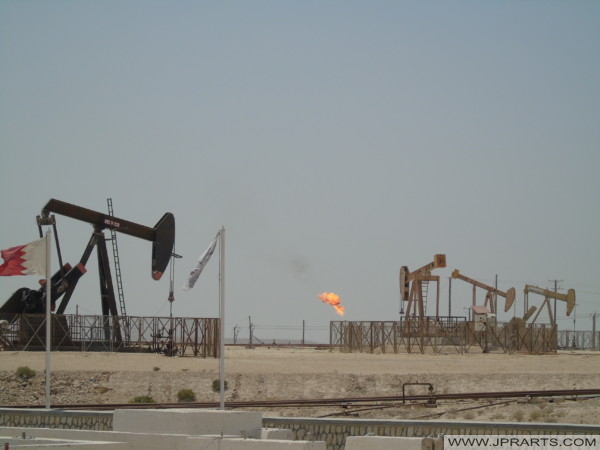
(342, 402)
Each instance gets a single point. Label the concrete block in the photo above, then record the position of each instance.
(192, 422)
(382, 443)
(216, 443)
(427, 444)
(131, 441)
(202, 443)
(282, 434)
(39, 443)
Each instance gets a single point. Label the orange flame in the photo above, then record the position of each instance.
(334, 300)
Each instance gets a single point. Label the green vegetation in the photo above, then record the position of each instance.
(142, 399)
(186, 395)
(216, 385)
(25, 373)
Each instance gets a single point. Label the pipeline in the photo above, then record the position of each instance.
(336, 402)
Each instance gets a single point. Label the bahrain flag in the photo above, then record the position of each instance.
(28, 259)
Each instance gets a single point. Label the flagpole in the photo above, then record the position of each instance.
(48, 317)
(222, 313)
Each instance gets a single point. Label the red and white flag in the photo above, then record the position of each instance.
(28, 259)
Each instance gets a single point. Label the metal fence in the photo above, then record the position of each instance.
(579, 340)
(200, 336)
(169, 335)
(442, 334)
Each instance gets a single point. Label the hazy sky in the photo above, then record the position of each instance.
(335, 141)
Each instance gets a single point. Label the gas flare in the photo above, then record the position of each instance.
(334, 300)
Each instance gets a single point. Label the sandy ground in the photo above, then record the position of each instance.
(278, 373)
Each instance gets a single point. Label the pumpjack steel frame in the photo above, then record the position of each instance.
(64, 282)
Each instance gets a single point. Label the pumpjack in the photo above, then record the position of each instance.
(509, 295)
(64, 281)
(568, 298)
(414, 287)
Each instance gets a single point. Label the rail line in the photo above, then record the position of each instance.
(341, 402)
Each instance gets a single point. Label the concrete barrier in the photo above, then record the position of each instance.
(333, 432)
(277, 433)
(382, 443)
(56, 418)
(31, 440)
(128, 441)
(57, 444)
(193, 422)
(217, 443)
(393, 443)
(40, 438)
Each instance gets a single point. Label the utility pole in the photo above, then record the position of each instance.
(449, 296)
(495, 299)
(249, 331)
(303, 332)
(574, 325)
(236, 330)
(594, 331)
(556, 290)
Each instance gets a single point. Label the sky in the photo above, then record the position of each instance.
(334, 141)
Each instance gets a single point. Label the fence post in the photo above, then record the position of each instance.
(594, 331)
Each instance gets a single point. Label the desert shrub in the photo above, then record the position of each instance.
(102, 389)
(535, 416)
(142, 399)
(156, 369)
(216, 385)
(25, 372)
(186, 395)
(518, 415)
(469, 415)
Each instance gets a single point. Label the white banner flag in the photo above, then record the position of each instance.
(195, 273)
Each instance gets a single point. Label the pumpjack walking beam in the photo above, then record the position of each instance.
(568, 298)
(509, 295)
(162, 236)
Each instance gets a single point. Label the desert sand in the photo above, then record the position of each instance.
(278, 373)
